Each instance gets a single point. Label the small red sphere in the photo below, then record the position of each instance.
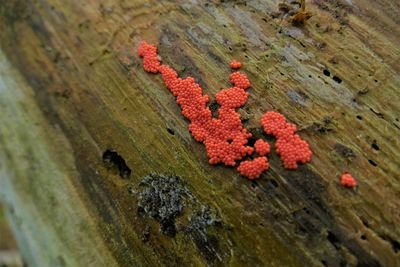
(348, 180)
(236, 64)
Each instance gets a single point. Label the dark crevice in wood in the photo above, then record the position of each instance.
(337, 79)
(113, 160)
(373, 163)
(170, 131)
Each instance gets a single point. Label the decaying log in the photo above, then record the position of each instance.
(98, 168)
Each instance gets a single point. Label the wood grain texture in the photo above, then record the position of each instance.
(72, 87)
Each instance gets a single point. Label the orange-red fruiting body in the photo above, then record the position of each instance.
(291, 148)
(236, 64)
(348, 180)
(252, 169)
(262, 147)
(149, 54)
(224, 137)
(240, 80)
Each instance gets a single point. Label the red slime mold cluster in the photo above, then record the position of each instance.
(252, 169)
(240, 80)
(348, 180)
(224, 137)
(236, 64)
(262, 147)
(150, 57)
(289, 145)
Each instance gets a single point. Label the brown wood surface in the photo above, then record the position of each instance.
(72, 88)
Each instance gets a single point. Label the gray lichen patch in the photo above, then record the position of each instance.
(176, 209)
(163, 199)
(206, 243)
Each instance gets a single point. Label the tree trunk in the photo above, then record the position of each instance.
(83, 126)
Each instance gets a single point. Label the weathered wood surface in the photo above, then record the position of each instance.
(71, 87)
(9, 255)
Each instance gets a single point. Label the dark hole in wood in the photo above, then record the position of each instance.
(375, 80)
(324, 263)
(251, 141)
(364, 221)
(327, 73)
(214, 106)
(359, 117)
(301, 230)
(373, 163)
(363, 237)
(307, 211)
(380, 115)
(170, 131)
(254, 184)
(274, 183)
(337, 79)
(375, 146)
(333, 239)
(113, 160)
(395, 246)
